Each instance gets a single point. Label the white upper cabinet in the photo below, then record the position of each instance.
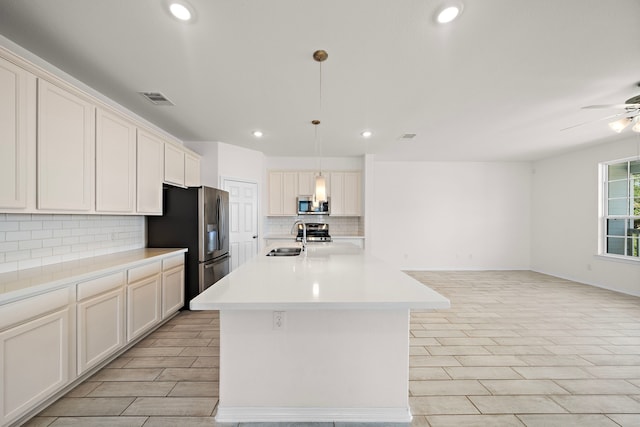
(353, 193)
(283, 191)
(191, 171)
(346, 193)
(306, 183)
(65, 150)
(150, 169)
(115, 163)
(173, 165)
(15, 106)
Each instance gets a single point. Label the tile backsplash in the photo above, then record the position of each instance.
(338, 225)
(33, 240)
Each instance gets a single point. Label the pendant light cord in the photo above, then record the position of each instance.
(319, 145)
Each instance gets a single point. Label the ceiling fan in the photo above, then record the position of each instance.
(631, 114)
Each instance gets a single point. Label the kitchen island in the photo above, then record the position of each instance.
(323, 336)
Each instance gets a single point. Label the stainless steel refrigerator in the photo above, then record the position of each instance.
(196, 219)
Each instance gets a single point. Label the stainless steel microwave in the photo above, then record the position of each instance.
(306, 206)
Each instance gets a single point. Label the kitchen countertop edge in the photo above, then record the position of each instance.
(20, 284)
(386, 287)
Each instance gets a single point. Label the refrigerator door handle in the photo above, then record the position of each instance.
(219, 221)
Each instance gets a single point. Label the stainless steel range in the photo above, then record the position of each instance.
(316, 232)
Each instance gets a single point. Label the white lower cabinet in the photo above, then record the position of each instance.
(50, 340)
(172, 285)
(35, 351)
(144, 294)
(100, 327)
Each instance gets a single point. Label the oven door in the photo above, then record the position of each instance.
(212, 271)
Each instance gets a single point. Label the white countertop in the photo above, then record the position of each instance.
(330, 276)
(19, 284)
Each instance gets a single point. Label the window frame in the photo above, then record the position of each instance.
(604, 207)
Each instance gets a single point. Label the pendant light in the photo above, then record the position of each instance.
(320, 193)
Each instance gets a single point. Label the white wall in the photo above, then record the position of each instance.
(241, 163)
(220, 160)
(451, 215)
(565, 218)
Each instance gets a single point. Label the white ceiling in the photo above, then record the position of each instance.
(497, 84)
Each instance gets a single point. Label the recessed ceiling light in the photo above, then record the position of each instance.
(257, 133)
(366, 134)
(180, 11)
(448, 13)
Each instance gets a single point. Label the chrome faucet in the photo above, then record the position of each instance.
(304, 233)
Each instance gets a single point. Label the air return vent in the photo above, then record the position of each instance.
(156, 98)
(407, 136)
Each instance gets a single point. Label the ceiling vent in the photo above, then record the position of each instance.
(407, 136)
(156, 98)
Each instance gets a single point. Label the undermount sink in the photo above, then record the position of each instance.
(284, 252)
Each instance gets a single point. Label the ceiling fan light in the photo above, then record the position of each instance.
(636, 126)
(619, 125)
(366, 134)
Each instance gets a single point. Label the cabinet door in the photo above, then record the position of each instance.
(275, 193)
(65, 148)
(143, 305)
(337, 193)
(100, 328)
(352, 194)
(115, 163)
(173, 165)
(289, 193)
(191, 171)
(15, 104)
(283, 192)
(150, 171)
(34, 363)
(172, 291)
(306, 183)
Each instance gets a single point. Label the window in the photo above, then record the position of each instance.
(621, 219)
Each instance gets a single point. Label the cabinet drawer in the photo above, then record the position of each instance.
(21, 311)
(174, 261)
(100, 285)
(147, 270)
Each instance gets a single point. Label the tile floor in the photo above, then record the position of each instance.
(516, 348)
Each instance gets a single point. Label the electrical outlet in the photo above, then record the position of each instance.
(278, 320)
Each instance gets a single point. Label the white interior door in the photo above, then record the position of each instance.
(243, 220)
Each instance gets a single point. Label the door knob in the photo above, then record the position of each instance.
(255, 237)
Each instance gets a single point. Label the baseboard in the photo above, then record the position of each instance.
(300, 414)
